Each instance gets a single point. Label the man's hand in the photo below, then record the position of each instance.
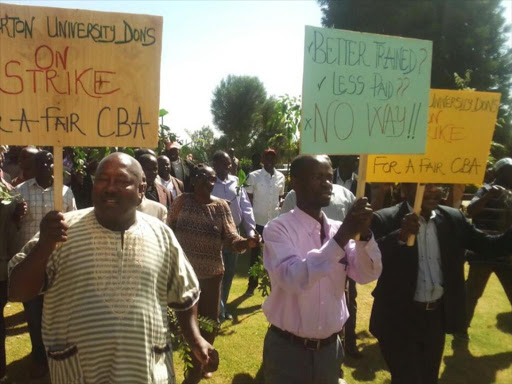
(410, 226)
(53, 229)
(206, 354)
(19, 211)
(358, 220)
(254, 240)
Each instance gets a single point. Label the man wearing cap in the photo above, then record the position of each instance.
(179, 168)
(265, 188)
(491, 210)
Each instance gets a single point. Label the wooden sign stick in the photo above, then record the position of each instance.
(418, 200)
(361, 182)
(57, 177)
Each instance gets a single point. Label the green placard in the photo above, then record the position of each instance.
(364, 93)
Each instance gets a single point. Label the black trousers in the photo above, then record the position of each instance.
(255, 253)
(414, 355)
(350, 325)
(478, 277)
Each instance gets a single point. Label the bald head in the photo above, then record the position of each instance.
(312, 181)
(301, 164)
(117, 191)
(149, 165)
(122, 160)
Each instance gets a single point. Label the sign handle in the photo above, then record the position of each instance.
(361, 182)
(418, 200)
(57, 177)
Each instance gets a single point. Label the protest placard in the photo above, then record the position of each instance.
(460, 129)
(364, 93)
(78, 78)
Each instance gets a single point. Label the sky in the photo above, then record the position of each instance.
(205, 41)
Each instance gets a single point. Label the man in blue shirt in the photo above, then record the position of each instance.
(227, 188)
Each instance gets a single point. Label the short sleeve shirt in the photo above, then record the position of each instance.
(266, 189)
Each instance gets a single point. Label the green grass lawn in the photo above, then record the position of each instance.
(240, 342)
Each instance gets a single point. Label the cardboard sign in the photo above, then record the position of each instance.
(364, 93)
(460, 129)
(78, 78)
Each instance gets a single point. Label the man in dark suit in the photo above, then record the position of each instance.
(154, 190)
(420, 295)
(180, 168)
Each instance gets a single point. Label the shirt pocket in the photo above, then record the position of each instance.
(64, 364)
(162, 364)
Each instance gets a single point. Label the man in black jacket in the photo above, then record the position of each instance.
(420, 295)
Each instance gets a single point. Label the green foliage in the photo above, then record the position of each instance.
(245, 164)
(259, 271)
(201, 145)
(7, 197)
(178, 341)
(463, 83)
(236, 109)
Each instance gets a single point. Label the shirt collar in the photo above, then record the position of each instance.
(229, 180)
(309, 223)
(33, 182)
(264, 171)
(432, 214)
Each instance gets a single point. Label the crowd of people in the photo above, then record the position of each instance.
(155, 231)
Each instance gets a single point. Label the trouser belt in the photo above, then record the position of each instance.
(312, 344)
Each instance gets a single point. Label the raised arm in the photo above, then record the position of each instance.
(28, 276)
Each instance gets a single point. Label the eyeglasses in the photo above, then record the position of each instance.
(204, 176)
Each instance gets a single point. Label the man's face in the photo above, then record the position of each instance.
(150, 168)
(116, 193)
(222, 166)
(164, 167)
(173, 154)
(314, 185)
(269, 160)
(27, 159)
(43, 163)
(432, 197)
(347, 165)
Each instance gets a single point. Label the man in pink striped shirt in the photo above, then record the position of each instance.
(308, 258)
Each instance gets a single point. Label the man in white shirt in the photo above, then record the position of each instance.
(265, 188)
(174, 185)
(38, 194)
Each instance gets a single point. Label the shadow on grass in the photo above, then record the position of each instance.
(464, 368)
(18, 372)
(504, 322)
(245, 378)
(239, 300)
(16, 331)
(365, 369)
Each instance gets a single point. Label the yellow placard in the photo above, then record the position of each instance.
(78, 78)
(460, 130)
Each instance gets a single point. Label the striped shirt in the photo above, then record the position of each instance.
(105, 306)
(40, 202)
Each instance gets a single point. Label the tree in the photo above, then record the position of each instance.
(236, 108)
(467, 35)
(201, 145)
